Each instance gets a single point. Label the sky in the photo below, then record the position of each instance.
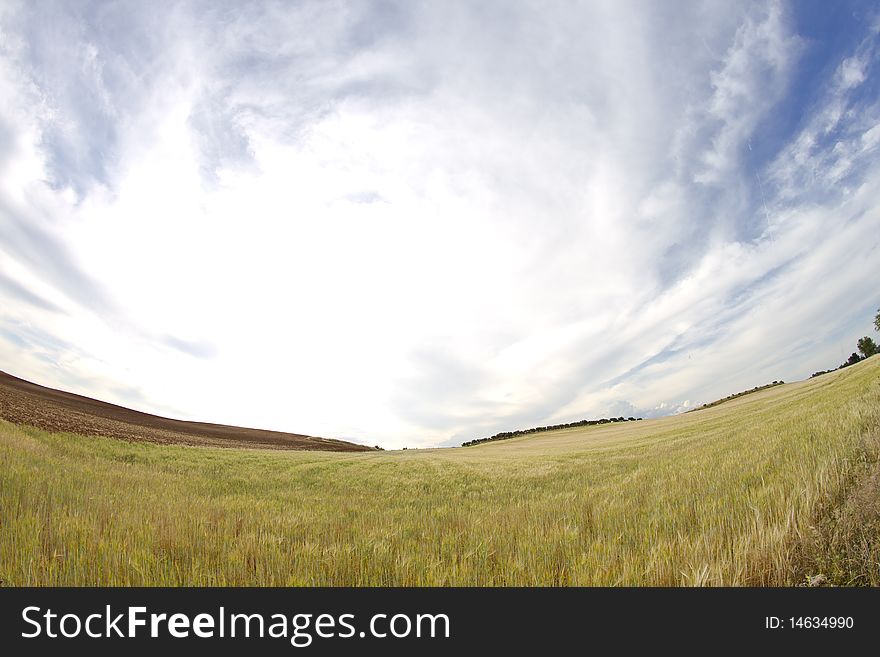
(419, 223)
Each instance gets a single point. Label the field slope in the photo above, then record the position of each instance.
(752, 491)
(23, 402)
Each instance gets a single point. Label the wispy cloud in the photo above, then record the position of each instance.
(14, 289)
(418, 223)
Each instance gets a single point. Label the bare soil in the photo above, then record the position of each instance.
(22, 402)
(842, 546)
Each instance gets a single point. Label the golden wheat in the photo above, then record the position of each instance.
(718, 497)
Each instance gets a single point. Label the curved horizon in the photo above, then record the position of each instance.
(422, 224)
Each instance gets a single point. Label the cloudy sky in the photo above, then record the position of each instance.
(417, 223)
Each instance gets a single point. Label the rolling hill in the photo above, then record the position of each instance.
(778, 487)
(23, 402)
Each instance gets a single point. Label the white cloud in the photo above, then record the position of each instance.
(751, 80)
(416, 224)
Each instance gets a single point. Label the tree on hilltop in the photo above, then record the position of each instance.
(867, 347)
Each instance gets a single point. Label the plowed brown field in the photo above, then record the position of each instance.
(27, 403)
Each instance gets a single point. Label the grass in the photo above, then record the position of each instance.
(736, 494)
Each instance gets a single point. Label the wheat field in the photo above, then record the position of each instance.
(729, 495)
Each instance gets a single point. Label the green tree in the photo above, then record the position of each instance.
(867, 347)
(877, 321)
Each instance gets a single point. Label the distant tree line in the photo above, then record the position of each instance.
(735, 395)
(866, 348)
(504, 435)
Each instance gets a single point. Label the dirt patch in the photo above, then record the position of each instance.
(842, 547)
(22, 402)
